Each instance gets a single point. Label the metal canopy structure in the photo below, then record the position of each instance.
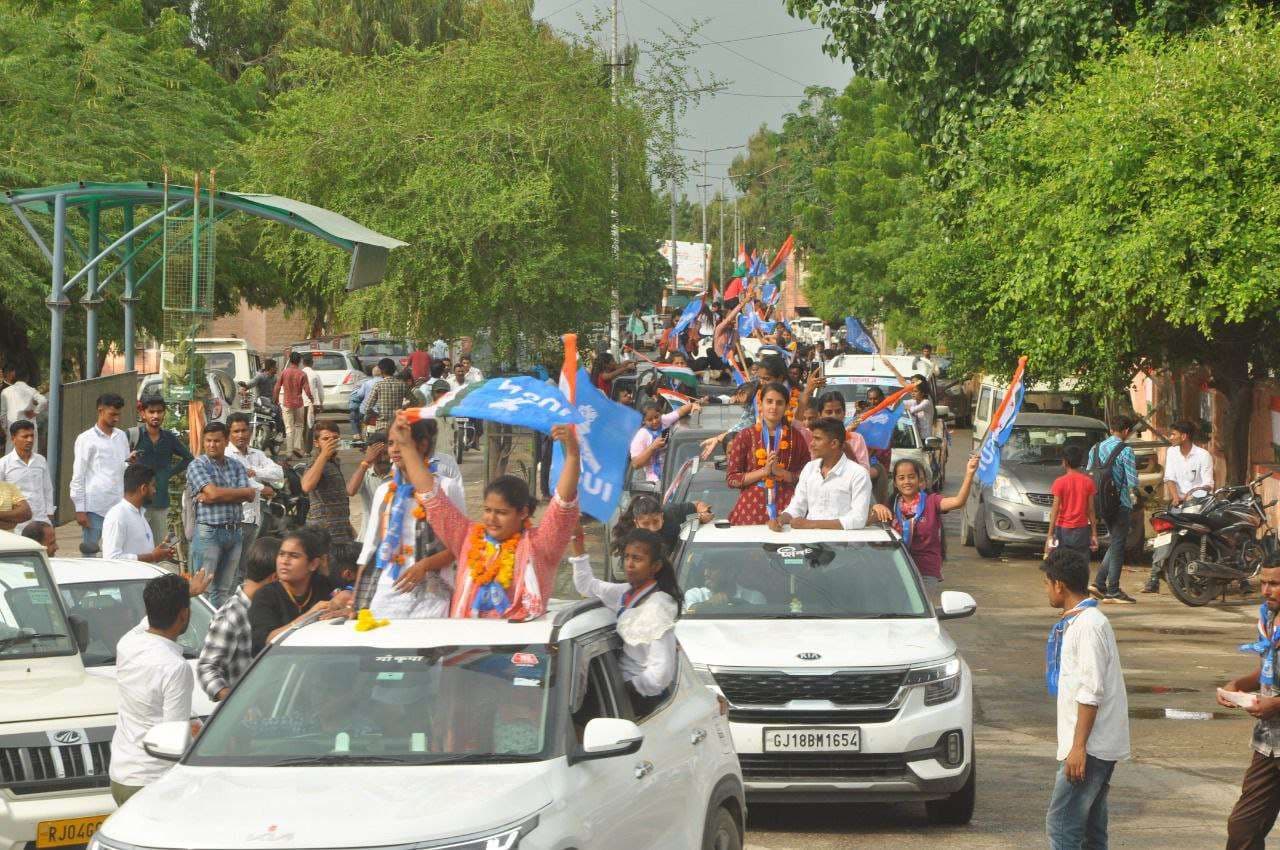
(369, 252)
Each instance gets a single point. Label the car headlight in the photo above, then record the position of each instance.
(941, 681)
(507, 839)
(1005, 490)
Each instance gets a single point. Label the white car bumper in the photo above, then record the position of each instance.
(338, 397)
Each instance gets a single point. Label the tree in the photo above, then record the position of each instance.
(489, 155)
(1133, 220)
(960, 63)
(870, 215)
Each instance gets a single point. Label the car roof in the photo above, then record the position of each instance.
(10, 542)
(871, 364)
(722, 532)
(234, 343)
(1058, 420)
(565, 619)
(87, 570)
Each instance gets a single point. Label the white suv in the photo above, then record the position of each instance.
(465, 734)
(841, 682)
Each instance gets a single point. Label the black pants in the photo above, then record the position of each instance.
(1255, 812)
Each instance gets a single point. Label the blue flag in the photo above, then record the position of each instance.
(856, 333)
(691, 311)
(989, 460)
(878, 429)
(522, 401)
(605, 438)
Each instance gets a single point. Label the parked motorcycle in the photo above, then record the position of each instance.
(464, 436)
(287, 508)
(268, 427)
(1206, 544)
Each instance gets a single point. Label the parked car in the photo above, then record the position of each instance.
(842, 683)
(220, 401)
(230, 355)
(522, 731)
(703, 481)
(56, 720)
(107, 595)
(369, 351)
(1015, 508)
(340, 374)
(809, 330)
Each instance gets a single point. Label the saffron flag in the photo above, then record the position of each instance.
(1001, 427)
(733, 290)
(521, 401)
(604, 431)
(856, 333)
(878, 424)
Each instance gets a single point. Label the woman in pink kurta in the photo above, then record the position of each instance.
(508, 506)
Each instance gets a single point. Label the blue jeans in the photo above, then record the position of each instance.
(91, 536)
(1108, 578)
(354, 413)
(217, 550)
(1077, 818)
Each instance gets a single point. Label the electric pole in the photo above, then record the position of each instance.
(675, 265)
(615, 320)
(706, 255)
(720, 272)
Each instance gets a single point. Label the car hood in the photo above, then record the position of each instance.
(312, 807)
(839, 643)
(52, 689)
(1032, 477)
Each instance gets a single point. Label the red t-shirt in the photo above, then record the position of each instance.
(1074, 491)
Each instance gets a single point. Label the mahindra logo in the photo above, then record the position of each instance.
(67, 737)
(809, 656)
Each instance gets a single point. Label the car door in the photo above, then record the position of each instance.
(613, 805)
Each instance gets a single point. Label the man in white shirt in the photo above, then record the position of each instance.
(472, 374)
(265, 477)
(1188, 469)
(126, 533)
(720, 587)
(19, 402)
(1083, 673)
(154, 682)
(28, 471)
(315, 407)
(97, 474)
(833, 492)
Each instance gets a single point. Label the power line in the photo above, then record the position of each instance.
(766, 35)
(561, 9)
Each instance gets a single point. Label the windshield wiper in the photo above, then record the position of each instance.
(339, 758)
(804, 616)
(5, 643)
(483, 758)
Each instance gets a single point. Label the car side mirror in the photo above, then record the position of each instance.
(169, 740)
(944, 412)
(956, 605)
(79, 630)
(606, 737)
(933, 444)
(644, 487)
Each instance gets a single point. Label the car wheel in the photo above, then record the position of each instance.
(987, 547)
(722, 833)
(966, 529)
(957, 809)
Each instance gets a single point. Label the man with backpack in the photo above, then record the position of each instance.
(1113, 467)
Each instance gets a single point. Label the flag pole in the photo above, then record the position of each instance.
(1004, 402)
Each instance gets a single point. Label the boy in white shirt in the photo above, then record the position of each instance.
(833, 492)
(1083, 672)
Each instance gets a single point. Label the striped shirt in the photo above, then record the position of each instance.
(1124, 470)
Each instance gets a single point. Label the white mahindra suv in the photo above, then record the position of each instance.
(460, 734)
(56, 721)
(841, 682)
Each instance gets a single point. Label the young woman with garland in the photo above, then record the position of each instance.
(506, 567)
(405, 570)
(647, 605)
(765, 460)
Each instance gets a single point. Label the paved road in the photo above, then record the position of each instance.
(1175, 792)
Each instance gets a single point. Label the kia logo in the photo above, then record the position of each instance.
(68, 737)
(809, 656)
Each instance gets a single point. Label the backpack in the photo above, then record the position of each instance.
(1106, 500)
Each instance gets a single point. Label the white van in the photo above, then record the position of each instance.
(226, 354)
(1065, 397)
(56, 720)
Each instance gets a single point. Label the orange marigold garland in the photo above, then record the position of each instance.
(487, 566)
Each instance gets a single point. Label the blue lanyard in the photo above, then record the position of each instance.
(634, 597)
(1265, 646)
(1053, 648)
(908, 526)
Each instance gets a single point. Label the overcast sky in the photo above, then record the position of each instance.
(780, 66)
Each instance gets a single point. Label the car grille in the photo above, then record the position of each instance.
(825, 718)
(843, 688)
(816, 767)
(1042, 499)
(41, 769)
(1035, 527)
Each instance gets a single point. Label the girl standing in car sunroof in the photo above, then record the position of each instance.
(765, 461)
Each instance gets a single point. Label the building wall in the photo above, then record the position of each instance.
(793, 301)
(267, 331)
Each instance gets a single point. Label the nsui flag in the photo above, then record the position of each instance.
(1001, 428)
(521, 401)
(604, 436)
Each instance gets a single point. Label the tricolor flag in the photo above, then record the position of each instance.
(740, 267)
(674, 398)
(678, 374)
(776, 274)
(569, 370)
(733, 290)
(1001, 427)
(877, 424)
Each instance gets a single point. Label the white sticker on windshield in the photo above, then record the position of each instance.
(38, 596)
(390, 677)
(526, 683)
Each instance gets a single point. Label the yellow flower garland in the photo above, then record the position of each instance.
(485, 565)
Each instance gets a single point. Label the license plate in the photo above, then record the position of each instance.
(1162, 540)
(1045, 518)
(62, 833)
(793, 739)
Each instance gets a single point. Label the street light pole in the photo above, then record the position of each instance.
(706, 255)
(615, 341)
(675, 264)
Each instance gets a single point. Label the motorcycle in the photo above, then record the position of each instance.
(287, 508)
(1207, 543)
(268, 426)
(464, 437)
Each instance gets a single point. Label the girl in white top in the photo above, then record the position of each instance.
(647, 607)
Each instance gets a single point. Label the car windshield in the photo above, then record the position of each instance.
(382, 348)
(855, 388)
(756, 580)
(112, 608)
(347, 705)
(711, 489)
(224, 361)
(32, 623)
(1044, 444)
(329, 362)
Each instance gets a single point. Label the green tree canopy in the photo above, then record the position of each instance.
(1133, 220)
